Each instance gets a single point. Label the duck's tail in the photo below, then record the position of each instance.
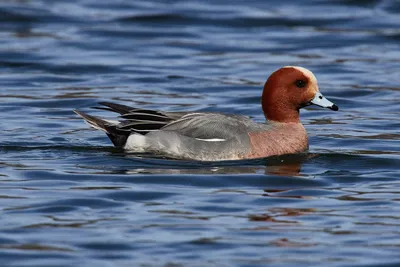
(117, 136)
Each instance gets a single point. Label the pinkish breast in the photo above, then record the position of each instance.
(285, 138)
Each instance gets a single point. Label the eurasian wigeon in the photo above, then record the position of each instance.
(211, 136)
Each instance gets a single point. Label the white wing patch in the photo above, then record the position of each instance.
(211, 139)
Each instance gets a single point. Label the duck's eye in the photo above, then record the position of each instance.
(300, 83)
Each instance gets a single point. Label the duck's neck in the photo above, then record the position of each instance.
(280, 112)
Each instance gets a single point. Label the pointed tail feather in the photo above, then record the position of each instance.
(93, 121)
(117, 136)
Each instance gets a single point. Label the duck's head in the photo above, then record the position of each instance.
(288, 90)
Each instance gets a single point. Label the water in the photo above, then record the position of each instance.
(68, 198)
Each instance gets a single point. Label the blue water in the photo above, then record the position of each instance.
(68, 198)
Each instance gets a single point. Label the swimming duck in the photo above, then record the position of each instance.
(212, 136)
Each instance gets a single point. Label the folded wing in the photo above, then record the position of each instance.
(206, 126)
(210, 125)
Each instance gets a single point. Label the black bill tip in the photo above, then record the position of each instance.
(334, 107)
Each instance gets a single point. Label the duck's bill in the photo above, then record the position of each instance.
(321, 101)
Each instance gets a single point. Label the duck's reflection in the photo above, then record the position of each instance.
(287, 165)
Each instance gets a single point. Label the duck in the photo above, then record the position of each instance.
(214, 136)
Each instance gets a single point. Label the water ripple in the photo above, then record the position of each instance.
(68, 198)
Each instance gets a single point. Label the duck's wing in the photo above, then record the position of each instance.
(213, 126)
(200, 125)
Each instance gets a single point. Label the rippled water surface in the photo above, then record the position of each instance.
(68, 198)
